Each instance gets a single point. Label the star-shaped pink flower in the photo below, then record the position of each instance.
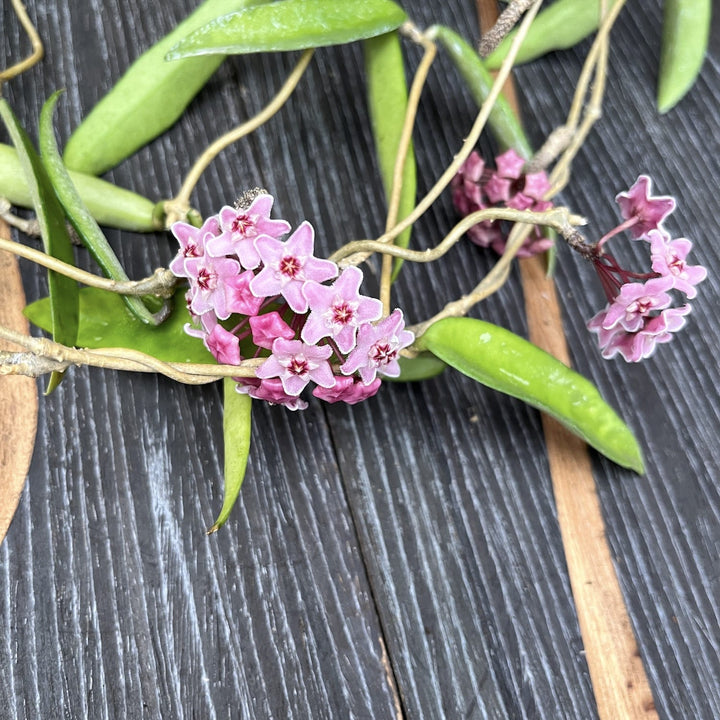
(271, 391)
(668, 258)
(647, 211)
(269, 327)
(288, 266)
(192, 241)
(636, 301)
(347, 390)
(241, 227)
(240, 298)
(378, 348)
(296, 364)
(224, 345)
(509, 164)
(336, 311)
(209, 281)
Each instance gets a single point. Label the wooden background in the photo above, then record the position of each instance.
(400, 558)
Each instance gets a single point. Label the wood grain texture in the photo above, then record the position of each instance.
(422, 522)
(18, 400)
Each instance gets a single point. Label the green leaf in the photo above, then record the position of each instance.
(56, 239)
(147, 99)
(503, 122)
(387, 100)
(109, 204)
(422, 367)
(506, 362)
(291, 25)
(83, 222)
(236, 431)
(686, 31)
(105, 321)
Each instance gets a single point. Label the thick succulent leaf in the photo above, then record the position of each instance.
(147, 99)
(63, 303)
(291, 25)
(105, 321)
(506, 362)
(422, 367)
(236, 431)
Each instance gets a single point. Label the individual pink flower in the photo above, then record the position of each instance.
(192, 242)
(240, 227)
(497, 189)
(240, 298)
(509, 164)
(668, 258)
(378, 348)
(636, 301)
(224, 345)
(347, 390)
(209, 279)
(337, 310)
(288, 266)
(296, 364)
(269, 327)
(642, 211)
(636, 346)
(271, 391)
(536, 185)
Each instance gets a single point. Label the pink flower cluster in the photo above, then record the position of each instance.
(253, 295)
(476, 187)
(640, 312)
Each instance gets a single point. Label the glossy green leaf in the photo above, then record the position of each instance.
(422, 367)
(105, 321)
(686, 30)
(109, 204)
(506, 362)
(557, 27)
(503, 122)
(236, 431)
(87, 228)
(291, 25)
(387, 100)
(147, 99)
(56, 239)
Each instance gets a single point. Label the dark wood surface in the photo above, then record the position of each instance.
(396, 559)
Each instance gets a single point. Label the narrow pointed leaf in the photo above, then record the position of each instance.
(105, 321)
(291, 25)
(387, 100)
(56, 239)
(87, 228)
(236, 432)
(506, 362)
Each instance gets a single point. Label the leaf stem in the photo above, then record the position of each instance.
(37, 46)
(558, 218)
(405, 139)
(467, 146)
(43, 356)
(161, 283)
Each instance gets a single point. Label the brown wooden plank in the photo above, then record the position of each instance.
(18, 397)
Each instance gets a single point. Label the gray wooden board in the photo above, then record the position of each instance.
(402, 551)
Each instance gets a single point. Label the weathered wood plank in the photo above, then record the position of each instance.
(357, 523)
